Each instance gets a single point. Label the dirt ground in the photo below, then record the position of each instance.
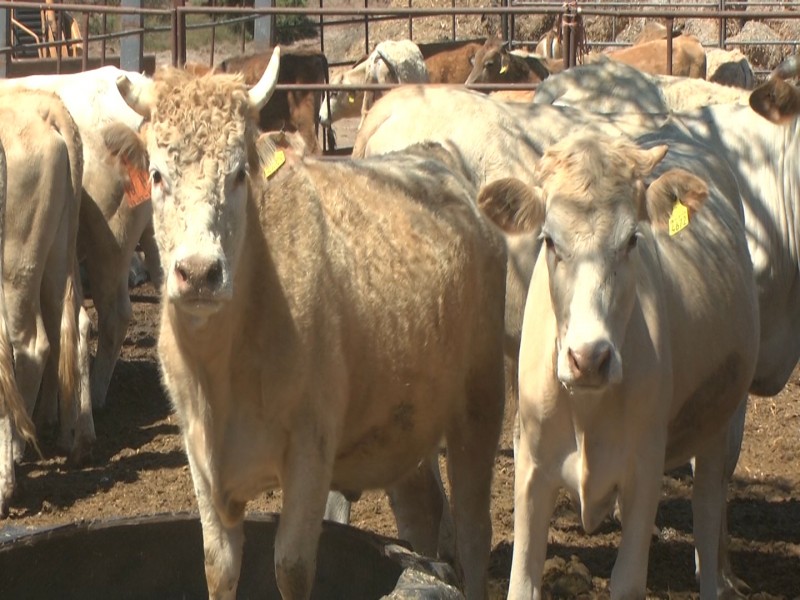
(139, 468)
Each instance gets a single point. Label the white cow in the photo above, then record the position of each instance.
(629, 363)
(44, 161)
(323, 326)
(14, 419)
(390, 62)
(111, 220)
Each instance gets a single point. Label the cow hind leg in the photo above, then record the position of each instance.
(472, 442)
(113, 316)
(418, 502)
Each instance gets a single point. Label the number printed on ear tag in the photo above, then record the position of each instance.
(679, 218)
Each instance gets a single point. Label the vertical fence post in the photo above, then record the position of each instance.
(263, 32)
(504, 21)
(5, 40)
(670, 25)
(723, 26)
(130, 46)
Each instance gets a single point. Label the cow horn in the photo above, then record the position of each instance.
(788, 68)
(261, 92)
(137, 95)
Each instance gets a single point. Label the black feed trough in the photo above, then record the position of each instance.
(161, 557)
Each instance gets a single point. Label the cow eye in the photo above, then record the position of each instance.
(240, 176)
(632, 241)
(156, 176)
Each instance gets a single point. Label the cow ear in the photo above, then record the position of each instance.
(647, 159)
(674, 199)
(512, 205)
(776, 100)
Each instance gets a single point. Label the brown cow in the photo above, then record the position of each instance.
(324, 324)
(450, 62)
(495, 63)
(293, 110)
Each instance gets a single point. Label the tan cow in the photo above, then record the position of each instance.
(111, 219)
(323, 326)
(629, 363)
(45, 166)
(14, 419)
(391, 61)
(688, 57)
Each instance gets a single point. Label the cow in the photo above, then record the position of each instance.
(288, 110)
(550, 45)
(688, 57)
(608, 86)
(323, 324)
(729, 67)
(628, 361)
(446, 62)
(14, 420)
(112, 216)
(450, 62)
(495, 63)
(391, 61)
(45, 167)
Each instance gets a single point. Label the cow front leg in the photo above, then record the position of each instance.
(7, 475)
(305, 480)
(534, 498)
(223, 538)
(638, 504)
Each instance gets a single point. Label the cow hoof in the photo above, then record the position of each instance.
(80, 455)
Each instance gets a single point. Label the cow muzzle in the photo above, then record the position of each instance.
(589, 365)
(199, 283)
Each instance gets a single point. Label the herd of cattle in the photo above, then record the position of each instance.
(621, 244)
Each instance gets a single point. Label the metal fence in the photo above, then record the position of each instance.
(123, 42)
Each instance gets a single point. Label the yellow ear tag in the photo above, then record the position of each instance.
(504, 68)
(351, 99)
(679, 218)
(275, 163)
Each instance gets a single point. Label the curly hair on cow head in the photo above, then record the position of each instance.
(201, 116)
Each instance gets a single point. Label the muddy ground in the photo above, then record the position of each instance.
(140, 468)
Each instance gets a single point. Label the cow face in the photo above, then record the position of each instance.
(343, 104)
(590, 208)
(490, 62)
(199, 138)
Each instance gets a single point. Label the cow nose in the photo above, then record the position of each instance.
(198, 274)
(590, 360)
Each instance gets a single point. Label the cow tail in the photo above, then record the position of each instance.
(68, 360)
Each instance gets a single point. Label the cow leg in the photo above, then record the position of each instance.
(534, 498)
(417, 502)
(152, 259)
(7, 475)
(113, 315)
(472, 441)
(337, 508)
(31, 349)
(727, 585)
(708, 506)
(85, 435)
(638, 504)
(305, 480)
(223, 537)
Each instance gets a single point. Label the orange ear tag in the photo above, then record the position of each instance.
(137, 189)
